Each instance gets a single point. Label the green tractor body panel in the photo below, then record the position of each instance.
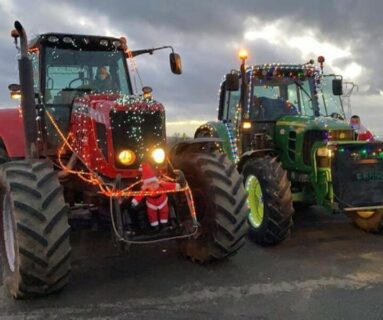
(223, 131)
(289, 138)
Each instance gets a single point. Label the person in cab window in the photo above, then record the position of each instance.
(363, 134)
(103, 80)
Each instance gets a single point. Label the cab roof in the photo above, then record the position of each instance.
(75, 41)
(285, 70)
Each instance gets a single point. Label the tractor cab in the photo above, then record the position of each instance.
(275, 90)
(275, 102)
(69, 66)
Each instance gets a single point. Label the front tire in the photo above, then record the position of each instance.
(220, 202)
(270, 200)
(35, 246)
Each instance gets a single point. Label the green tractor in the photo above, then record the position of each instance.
(284, 126)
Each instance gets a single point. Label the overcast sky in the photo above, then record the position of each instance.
(208, 34)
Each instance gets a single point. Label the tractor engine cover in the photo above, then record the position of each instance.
(357, 173)
(103, 126)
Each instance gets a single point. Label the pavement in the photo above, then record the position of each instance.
(327, 269)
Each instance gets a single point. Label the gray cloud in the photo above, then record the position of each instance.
(203, 32)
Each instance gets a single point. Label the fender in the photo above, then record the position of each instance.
(197, 145)
(12, 132)
(223, 131)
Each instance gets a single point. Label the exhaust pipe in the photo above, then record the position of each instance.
(28, 105)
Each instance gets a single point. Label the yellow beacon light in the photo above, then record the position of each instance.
(243, 54)
(127, 157)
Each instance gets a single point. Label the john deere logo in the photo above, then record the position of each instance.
(368, 176)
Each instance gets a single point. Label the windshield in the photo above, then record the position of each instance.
(70, 73)
(329, 105)
(273, 98)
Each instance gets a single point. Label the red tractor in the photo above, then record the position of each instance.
(84, 151)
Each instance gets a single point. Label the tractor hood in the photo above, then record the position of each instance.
(106, 125)
(304, 123)
(295, 137)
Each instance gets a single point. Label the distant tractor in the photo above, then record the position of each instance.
(285, 128)
(73, 155)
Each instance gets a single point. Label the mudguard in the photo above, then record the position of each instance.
(197, 145)
(12, 132)
(223, 131)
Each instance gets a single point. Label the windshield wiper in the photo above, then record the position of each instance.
(303, 89)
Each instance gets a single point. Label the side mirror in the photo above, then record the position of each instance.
(15, 90)
(175, 63)
(232, 82)
(337, 87)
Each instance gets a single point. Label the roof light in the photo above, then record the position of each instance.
(124, 43)
(53, 39)
(321, 59)
(67, 40)
(116, 43)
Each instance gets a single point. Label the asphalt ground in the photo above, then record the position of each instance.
(327, 269)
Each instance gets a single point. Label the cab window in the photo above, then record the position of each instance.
(230, 102)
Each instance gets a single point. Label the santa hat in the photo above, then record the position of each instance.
(148, 173)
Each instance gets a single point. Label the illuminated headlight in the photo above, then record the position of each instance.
(324, 152)
(158, 155)
(127, 157)
(246, 125)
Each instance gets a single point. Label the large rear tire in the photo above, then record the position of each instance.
(35, 246)
(3, 155)
(270, 200)
(369, 221)
(220, 201)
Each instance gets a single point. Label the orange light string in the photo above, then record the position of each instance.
(108, 190)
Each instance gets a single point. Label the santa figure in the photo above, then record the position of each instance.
(157, 205)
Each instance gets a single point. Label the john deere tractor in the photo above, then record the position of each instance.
(70, 157)
(284, 126)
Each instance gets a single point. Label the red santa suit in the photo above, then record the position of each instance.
(157, 206)
(365, 135)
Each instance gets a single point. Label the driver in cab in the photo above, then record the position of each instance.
(103, 80)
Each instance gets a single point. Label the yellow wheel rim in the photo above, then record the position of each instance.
(366, 214)
(254, 201)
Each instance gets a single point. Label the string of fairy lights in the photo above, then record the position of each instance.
(140, 117)
(264, 73)
(232, 141)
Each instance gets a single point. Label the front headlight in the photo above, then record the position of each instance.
(158, 155)
(324, 152)
(127, 157)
